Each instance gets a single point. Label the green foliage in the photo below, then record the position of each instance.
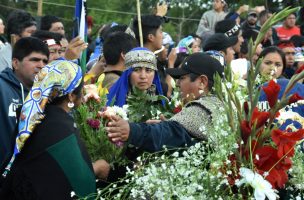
(199, 173)
(96, 139)
(143, 106)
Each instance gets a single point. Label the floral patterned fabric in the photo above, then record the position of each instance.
(56, 79)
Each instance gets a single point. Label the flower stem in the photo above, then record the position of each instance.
(251, 160)
(285, 155)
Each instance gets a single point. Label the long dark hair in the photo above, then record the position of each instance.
(273, 49)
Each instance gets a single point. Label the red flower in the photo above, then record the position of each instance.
(265, 159)
(277, 114)
(259, 118)
(245, 130)
(277, 178)
(177, 109)
(93, 123)
(272, 92)
(294, 98)
(278, 174)
(286, 141)
(299, 70)
(246, 107)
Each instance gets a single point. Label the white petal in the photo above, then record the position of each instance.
(259, 195)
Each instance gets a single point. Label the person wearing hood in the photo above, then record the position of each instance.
(141, 73)
(223, 44)
(231, 29)
(30, 55)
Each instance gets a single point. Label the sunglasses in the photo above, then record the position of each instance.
(253, 16)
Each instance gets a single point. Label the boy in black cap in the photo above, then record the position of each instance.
(187, 127)
(231, 29)
(223, 44)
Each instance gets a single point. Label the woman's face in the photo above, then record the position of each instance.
(196, 46)
(272, 65)
(142, 77)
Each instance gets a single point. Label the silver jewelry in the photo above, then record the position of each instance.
(70, 104)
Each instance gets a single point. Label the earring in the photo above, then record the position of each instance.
(201, 92)
(70, 104)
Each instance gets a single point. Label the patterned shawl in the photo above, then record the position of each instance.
(56, 79)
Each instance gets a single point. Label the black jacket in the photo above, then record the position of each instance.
(52, 163)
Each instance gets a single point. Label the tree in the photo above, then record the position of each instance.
(184, 15)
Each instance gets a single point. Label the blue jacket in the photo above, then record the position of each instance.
(12, 94)
(153, 137)
(298, 88)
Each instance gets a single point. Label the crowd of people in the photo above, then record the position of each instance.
(41, 153)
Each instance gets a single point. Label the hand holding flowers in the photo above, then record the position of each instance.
(118, 129)
(91, 124)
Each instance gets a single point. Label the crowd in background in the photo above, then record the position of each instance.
(26, 47)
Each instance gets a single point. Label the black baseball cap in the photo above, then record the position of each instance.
(227, 26)
(219, 42)
(200, 64)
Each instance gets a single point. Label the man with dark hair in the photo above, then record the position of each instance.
(297, 40)
(56, 47)
(231, 29)
(115, 47)
(192, 124)
(96, 62)
(151, 31)
(153, 40)
(271, 37)
(52, 39)
(19, 24)
(223, 44)
(29, 56)
(52, 24)
(289, 50)
(117, 28)
(264, 15)
(288, 28)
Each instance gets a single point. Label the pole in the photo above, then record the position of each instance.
(39, 10)
(266, 5)
(139, 24)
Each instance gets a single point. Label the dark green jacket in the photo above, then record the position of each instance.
(52, 164)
